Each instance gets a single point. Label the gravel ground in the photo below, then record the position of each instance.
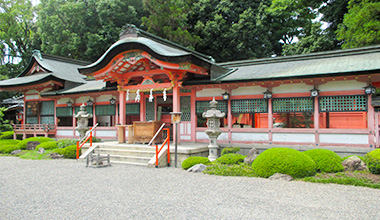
(66, 189)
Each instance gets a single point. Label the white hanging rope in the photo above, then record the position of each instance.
(164, 95)
(137, 99)
(151, 96)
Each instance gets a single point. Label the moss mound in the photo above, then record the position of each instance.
(326, 160)
(372, 159)
(191, 161)
(230, 150)
(47, 145)
(23, 143)
(285, 161)
(231, 159)
(69, 152)
(8, 145)
(66, 142)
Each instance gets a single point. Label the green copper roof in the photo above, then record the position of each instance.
(88, 86)
(350, 61)
(55, 67)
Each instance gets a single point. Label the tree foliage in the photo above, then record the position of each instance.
(169, 20)
(84, 29)
(361, 25)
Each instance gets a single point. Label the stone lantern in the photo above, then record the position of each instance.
(82, 121)
(213, 128)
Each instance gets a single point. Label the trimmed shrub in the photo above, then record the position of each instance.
(285, 161)
(230, 150)
(231, 159)
(8, 145)
(326, 160)
(95, 139)
(47, 145)
(23, 143)
(191, 161)
(372, 159)
(69, 152)
(66, 142)
(7, 135)
(344, 158)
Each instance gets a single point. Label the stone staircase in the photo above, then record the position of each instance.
(130, 154)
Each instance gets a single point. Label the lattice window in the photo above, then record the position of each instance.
(203, 106)
(105, 110)
(47, 112)
(89, 109)
(343, 103)
(301, 104)
(149, 110)
(32, 109)
(249, 106)
(185, 108)
(133, 109)
(64, 111)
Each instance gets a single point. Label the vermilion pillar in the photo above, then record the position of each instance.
(122, 106)
(371, 122)
(316, 120)
(270, 120)
(176, 107)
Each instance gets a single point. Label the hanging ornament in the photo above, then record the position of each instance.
(151, 95)
(164, 95)
(128, 95)
(137, 99)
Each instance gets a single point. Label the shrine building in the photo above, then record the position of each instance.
(318, 99)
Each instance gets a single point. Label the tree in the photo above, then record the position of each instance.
(361, 25)
(318, 40)
(333, 12)
(84, 29)
(169, 20)
(17, 32)
(231, 30)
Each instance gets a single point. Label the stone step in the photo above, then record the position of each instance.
(133, 159)
(127, 147)
(129, 163)
(118, 151)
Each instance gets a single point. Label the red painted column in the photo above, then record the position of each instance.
(122, 107)
(377, 129)
(176, 107)
(316, 120)
(371, 122)
(193, 115)
(229, 117)
(270, 120)
(142, 107)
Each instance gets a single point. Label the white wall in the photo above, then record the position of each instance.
(292, 88)
(210, 92)
(248, 90)
(291, 137)
(342, 85)
(344, 138)
(236, 136)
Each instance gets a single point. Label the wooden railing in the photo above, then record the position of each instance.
(87, 137)
(34, 127)
(167, 141)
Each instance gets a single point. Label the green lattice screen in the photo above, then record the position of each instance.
(185, 108)
(89, 109)
(302, 104)
(249, 106)
(133, 109)
(203, 106)
(105, 109)
(32, 120)
(342, 103)
(64, 111)
(47, 108)
(47, 120)
(149, 111)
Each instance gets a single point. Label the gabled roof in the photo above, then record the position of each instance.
(340, 62)
(89, 86)
(136, 39)
(43, 67)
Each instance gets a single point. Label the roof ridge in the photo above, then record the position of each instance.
(309, 56)
(143, 33)
(63, 59)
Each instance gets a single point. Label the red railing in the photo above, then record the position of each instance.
(167, 141)
(87, 137)
(33, 127)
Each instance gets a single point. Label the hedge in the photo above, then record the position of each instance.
(326, 160)
(191, 161)
(231, 159)
(285, 161)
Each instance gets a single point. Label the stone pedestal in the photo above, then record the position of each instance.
(82, 121)
(213, 129)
